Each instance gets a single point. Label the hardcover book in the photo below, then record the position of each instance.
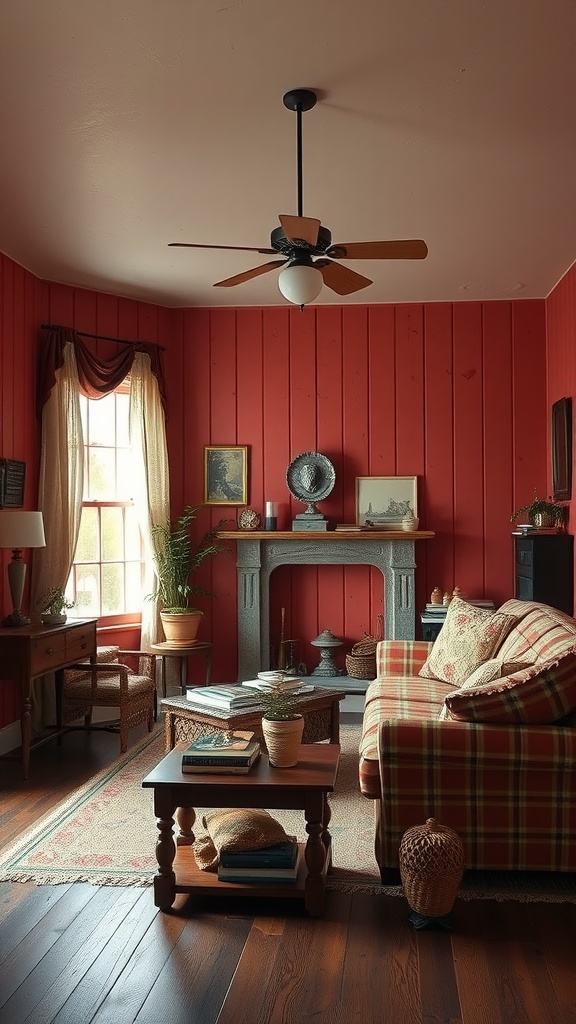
(236, 765)
(220, 756)
(265, 876)
(283, 855)
(222, 696)
(224, 741)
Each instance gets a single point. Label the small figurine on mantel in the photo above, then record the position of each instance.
(456, 592)
(446, 599)
(436, 596)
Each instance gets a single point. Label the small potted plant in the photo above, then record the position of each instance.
(541, 512)
(53, 606)
(282, 726)
(176, 559)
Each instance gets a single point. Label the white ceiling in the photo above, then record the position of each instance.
(128, 124)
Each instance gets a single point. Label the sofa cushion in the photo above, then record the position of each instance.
(469, 637)
(541, 694)
(540, 634)
(405, 697)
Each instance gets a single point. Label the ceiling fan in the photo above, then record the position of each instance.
(306, 247)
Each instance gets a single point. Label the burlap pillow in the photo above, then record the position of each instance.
(237, 828)
(469, 637)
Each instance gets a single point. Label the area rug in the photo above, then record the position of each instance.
(105, 834)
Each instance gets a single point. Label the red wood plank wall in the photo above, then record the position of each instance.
(561, 347)
(453, 393)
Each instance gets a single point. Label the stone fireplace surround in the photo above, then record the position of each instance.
(259, 553)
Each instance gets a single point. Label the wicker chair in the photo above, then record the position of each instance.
(122, 679)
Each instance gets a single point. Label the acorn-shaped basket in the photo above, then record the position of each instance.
(431, 868)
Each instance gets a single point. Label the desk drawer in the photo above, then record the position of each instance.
(80, 643)
(47, 652)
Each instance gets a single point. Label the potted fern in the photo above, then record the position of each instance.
(176, 559)
(541, 512)
(282, 726)
(53, 606)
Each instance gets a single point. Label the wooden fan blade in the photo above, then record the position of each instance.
(341, 279)
(237, 248)
(404, 249)
(300, 229)
(249, 274)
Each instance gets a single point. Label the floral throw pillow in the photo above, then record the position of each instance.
(469, 637)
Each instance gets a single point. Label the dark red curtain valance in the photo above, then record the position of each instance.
(97, 376)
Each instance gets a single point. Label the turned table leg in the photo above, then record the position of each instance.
(316, 854)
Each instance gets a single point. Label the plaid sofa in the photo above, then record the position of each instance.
(509, 790)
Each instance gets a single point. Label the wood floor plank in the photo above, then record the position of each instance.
(94, 970)
(494, 962)
(554, 932)
(26, 913)
(192, 983)
(40, 958)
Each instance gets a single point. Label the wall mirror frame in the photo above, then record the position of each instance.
(562, 449)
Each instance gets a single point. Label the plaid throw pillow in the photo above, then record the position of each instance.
(469, 637)
(541, 694)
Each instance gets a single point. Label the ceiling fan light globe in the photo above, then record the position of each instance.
(300, 284)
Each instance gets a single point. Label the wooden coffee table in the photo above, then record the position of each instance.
(184, 720)
(303, 787)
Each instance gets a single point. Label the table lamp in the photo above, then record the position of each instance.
(19, 530)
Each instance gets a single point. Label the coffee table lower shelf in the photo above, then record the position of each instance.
(190, 879)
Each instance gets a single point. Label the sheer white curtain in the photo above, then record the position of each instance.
(151, 497)
(60, 501)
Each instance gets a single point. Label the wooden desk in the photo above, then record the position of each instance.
(27, 652)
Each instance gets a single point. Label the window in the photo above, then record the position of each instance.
(106, 580)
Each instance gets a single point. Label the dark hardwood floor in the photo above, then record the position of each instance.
(73, 954)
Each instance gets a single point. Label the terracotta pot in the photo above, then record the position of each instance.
(181, 628)
(283, 741)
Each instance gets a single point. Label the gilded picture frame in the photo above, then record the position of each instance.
(226, 474)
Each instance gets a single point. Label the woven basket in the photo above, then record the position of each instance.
(361, 662)
(431, 868)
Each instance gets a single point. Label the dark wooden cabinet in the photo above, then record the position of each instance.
(545, 569)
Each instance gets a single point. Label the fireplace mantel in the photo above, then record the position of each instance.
(260, 552)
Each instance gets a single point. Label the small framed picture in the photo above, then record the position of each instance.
(226, 474)
(384, 501)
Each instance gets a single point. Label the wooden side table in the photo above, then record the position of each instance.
(305, 787)
(27, 652)
(165, 650)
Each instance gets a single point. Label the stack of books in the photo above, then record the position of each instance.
(227, 698)
(286, 683)
(221, 753)
(272, 865)
(438, 611)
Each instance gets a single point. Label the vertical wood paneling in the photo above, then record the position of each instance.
(453, 392)
(468, 448)
(561, 362)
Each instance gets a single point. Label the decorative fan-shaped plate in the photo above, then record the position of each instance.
(310, 477)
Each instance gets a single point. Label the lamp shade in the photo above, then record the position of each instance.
(21, 529)
(300, 283)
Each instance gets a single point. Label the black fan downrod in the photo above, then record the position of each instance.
(299, 100)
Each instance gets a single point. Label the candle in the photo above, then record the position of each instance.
(270, 521)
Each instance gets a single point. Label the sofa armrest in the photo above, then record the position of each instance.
(401, 657)
(507, 790)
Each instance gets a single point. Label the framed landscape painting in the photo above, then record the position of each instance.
(226, 474)
(383, 501)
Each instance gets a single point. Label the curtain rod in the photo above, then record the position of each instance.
(102, 337)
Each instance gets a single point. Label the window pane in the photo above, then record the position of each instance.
(134, 590)
(101, 474)
(125, 490)
(133, 542)
(112, 589)
(87, 591)
(122, 409)
(102, 421)
(112, 534)
(87, 549)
